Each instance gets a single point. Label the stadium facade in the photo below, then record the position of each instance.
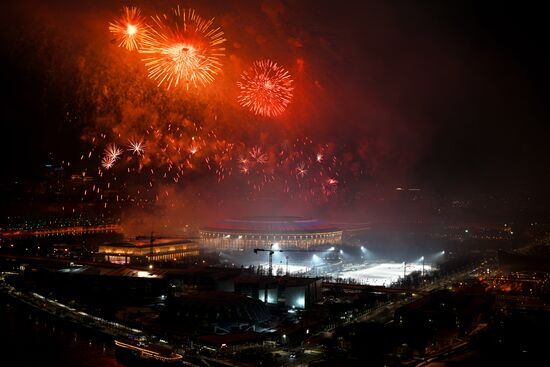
(262, 232)
(146, 250)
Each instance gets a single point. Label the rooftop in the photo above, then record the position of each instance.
(272, 225)
(143, 241)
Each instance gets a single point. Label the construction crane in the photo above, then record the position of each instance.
(272, 251)
(151, 240)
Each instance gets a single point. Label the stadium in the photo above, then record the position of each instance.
(310, 247)
(262, 232)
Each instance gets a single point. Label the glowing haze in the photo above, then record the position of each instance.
(168, 107)
(172, 138)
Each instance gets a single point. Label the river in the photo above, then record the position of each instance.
(31, 338)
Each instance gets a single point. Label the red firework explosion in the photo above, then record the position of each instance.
(130, 29)
(266, 89)
(183, 48)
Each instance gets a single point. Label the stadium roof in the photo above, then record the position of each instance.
(282, 225)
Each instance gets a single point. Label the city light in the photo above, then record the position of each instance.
(269, 183)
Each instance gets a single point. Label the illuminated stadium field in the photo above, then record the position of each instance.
(380, 274)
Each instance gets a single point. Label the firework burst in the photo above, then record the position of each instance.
(265, 89)
(137, 147)
(259, 156)
(176, 155)
(183, 48)
(301, 170)
(130, 29)
(107, 163)
(110, 156)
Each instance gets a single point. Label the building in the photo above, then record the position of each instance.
(442, 316)
(196, 279)
(145, 250)
(215, 308)
(262, 232)
(513, 262)
(291, 292)
(299, 293)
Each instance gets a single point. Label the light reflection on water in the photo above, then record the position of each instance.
(31, 339)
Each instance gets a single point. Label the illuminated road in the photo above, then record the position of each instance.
(56, 260)
(384, 312)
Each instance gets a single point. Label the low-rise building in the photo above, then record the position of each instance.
(146, 250)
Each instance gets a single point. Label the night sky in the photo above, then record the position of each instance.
(448, 96)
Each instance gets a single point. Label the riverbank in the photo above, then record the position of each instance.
(29, 337)
(80, 322)
(66, 313)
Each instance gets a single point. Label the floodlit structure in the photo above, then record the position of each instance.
(147, 249)
(262, 232)
(293, 292)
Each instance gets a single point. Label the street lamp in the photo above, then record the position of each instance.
(422, 258)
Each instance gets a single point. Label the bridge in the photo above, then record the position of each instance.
(20, 233)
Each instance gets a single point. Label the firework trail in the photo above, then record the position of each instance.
(149, 142)
(130, 29)
(177, 156)
(265, 89)
(183, 49)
